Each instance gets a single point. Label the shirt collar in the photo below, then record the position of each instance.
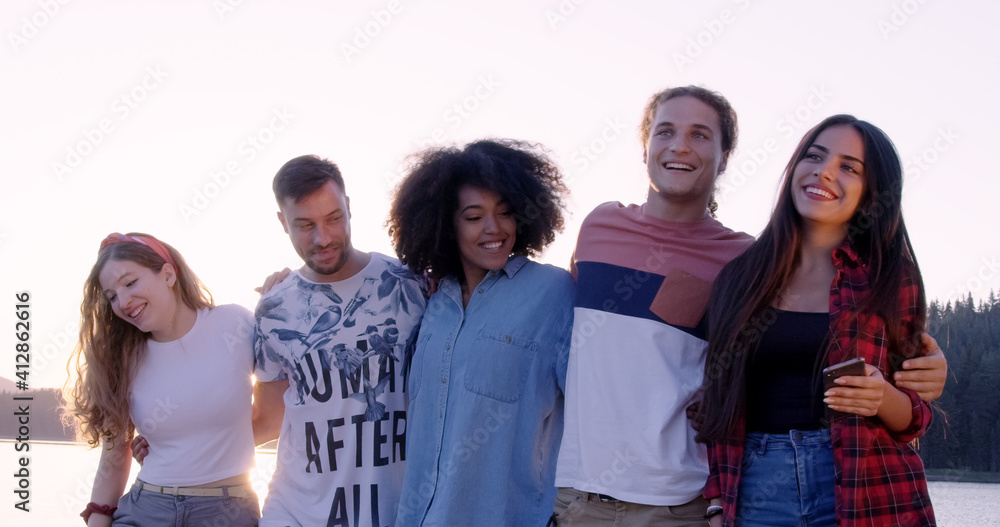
(846, 255)
(514, 264)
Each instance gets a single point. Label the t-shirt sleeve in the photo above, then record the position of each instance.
(241, 341)
(268, 359)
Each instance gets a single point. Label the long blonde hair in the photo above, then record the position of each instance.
(109, 350)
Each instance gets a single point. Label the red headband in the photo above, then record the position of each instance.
(148, 241)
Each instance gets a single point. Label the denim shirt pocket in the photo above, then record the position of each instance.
(417, 365)
(499, 365)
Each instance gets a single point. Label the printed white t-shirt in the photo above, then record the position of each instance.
(342, 346)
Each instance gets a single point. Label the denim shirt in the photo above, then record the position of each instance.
(486, 400)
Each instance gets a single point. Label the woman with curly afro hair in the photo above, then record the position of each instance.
(486, 379)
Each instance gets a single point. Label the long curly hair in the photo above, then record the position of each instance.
(109, 349)
(421, 221)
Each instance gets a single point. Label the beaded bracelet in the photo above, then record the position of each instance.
(92, 507)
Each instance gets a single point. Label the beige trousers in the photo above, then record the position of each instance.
(575, 508)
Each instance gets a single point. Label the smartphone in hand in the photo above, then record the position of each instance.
(855, 366)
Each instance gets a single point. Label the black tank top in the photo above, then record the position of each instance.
(784, 389)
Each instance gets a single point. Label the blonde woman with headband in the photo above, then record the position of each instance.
(155, 355)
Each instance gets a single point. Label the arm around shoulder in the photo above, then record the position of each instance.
(925, 375)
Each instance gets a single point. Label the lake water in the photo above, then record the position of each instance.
(61, 475)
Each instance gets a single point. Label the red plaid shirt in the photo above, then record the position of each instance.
(880, 478)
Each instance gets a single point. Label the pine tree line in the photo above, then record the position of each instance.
(43, 415)
(965, 434)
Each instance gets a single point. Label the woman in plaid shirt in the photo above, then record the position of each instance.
(832, 277)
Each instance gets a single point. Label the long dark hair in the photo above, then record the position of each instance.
(747, 287)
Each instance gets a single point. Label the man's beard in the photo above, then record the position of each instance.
(331, 269)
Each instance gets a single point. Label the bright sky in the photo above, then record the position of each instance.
(172, 117)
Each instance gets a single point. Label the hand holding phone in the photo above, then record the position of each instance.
(852, 367)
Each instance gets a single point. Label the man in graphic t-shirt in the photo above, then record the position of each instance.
(330, 344)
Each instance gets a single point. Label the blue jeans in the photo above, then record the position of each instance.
(143, 508)
(787, 480)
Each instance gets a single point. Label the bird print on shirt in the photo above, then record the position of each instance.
(362, 296)
(375, 410)
(305, 330)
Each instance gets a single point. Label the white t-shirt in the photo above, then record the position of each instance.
(638, 354)
(191, 399)
(342, 346)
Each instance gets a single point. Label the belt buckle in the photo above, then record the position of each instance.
(171, 491)
(604, 498)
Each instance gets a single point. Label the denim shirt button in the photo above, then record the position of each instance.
(447, 346)
(444, 380)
